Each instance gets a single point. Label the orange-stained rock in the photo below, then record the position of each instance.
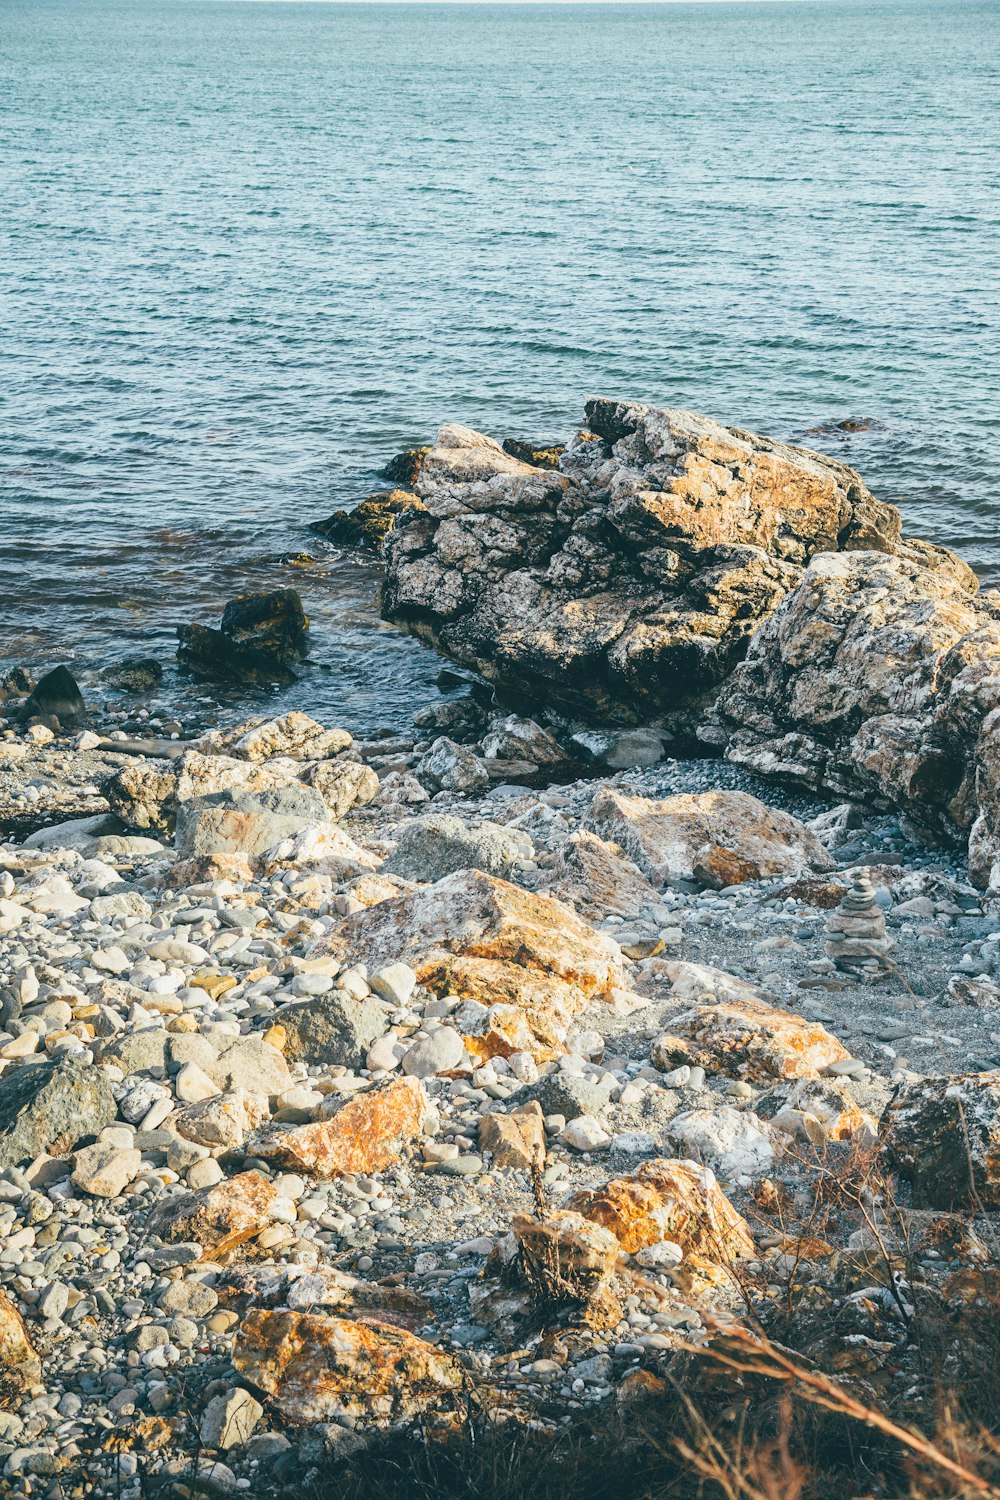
(747, 1038)
(565, 1256)
(717, 838)
(481, 937)
(20, 1366)
(533, 1011)
(672, 1200)
(816, 1109)
(516, 1139)
(218, 1218)
(366, 1134)
(473, 915)
(315, 1367)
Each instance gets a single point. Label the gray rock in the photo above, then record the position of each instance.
(451, 767)
(138, 1051)
(50, 1107)
(570, 1094)
(439, 1052)
(332, 1028)
(431, 847)
(621, 749)
(246, 822)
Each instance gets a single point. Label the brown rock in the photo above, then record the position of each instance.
(367, 1134)
(565, 1256)
(943, 1135)
(219, 1218)
(747, 1038)
(516, 1139)
(598, 879)
(630, 580)
(672, 1200)
(315, 1367)
(20, 1367)
(717, 838)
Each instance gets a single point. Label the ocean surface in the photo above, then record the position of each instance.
(249, 250)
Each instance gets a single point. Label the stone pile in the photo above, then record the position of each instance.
(855, 932)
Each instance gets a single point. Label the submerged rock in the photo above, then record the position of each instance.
(629, 581)
(368, 524)
(56, 696)
(261, 636)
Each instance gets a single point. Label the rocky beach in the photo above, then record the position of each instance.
(605, 1064)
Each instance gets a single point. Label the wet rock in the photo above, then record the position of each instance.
(50, 1108)
(432, 847)
(672, 1200)
(620, 749)
(134, 674)
(318, 1368)
(539, 455)
(333, 1028)
(943, 1136)
(218, 1218)
(747, 1038)
(261, 636)
(367, 525)
(367, 1134)
(249, 823)
(629, 581)
(404, 468)
(20, 1366)
(57, 696)
(715, 838)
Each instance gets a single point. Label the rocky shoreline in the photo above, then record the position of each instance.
(501, 1071)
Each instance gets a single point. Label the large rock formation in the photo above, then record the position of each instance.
(879, 678)
(628, 582)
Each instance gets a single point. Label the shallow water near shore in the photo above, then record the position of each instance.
(253, 249)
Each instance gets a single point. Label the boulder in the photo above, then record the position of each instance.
(733, 1141)
(222, 1121)
(20, 1366)
(50, 1107)
(218, 1218)
(261, 636)
(451, 767)
(943, 1136)
(565, 1257)
(293, 736)
(678, 1201)
(879, 679)
(105, 1170)
(249, 823)
(334, 1028)
(598, 879)
(134, 674)
(56, 695)
(815, 1110)
(490, 942)
(367, 1134)
(515, 1140)
(714, 838)
(343, 784)
(429, 848)
(318, 1368)
(367, 525)
(749, 1039)
(628, 582)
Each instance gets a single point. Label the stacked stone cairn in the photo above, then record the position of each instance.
(855, 931)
